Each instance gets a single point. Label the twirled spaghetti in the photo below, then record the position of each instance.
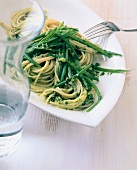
(72, 95)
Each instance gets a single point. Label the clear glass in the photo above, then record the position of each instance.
(14, 84)
(14, 95)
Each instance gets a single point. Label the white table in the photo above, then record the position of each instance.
(50, 143)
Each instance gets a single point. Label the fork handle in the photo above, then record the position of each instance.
(133, 30)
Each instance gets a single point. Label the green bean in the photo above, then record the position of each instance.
(69, 45)
(73, 77)
(60, 68)
(60, 84)
(31, 60)
(50, 34)
(69, 72)
(97, 92)
(92, 77)
(109, 70)
(85, 82)
(76, 68)
(36, 45)
(65, 68)
(95, 47)
(64, 72)
(78, 63)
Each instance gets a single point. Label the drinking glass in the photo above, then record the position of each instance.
(14, 95)
(20, 22)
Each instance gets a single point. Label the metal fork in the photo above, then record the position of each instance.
(104, 28)
(102, 32)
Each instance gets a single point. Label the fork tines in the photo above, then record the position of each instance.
(98, 30)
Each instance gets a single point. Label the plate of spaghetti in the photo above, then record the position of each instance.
(68, 76)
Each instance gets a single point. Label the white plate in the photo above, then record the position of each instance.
(76, 14)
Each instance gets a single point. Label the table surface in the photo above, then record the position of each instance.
(64, 145)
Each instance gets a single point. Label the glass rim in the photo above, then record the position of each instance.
(29, 37)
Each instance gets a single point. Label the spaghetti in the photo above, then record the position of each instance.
(59, 64)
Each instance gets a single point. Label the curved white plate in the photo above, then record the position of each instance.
(76, 14)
